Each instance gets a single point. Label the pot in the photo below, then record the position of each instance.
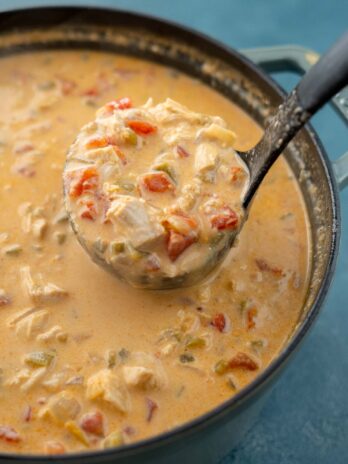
(208, 437)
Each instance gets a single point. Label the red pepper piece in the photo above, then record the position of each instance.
(119, 104)
(9, 434)
(142, 127)
(93, 423)
(251, 315)
(177, 243)
(182, 152)
(225, 219)
(237, 173)
(5, 300)
(82, 181)
(151, 407)
(97, 142)
(89, 211)
(265, 267)
(157, 182)
(66, 85)
(242, 361)
(219, 322)
(27, 414)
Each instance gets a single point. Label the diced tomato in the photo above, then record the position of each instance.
(9, 434)
(119, 104)
(93, 423)
(102, 142)
(5, 300)
(243, 361)
(151, 407)
(23, 148)
(152, 263)
(180, 222)
(219, 322)
(91, 92)
(27, 413)
(120, 154)
(266, 267)
(157, 182)
(54, 447)
(237, 174)
(142, 127)
(25, 170)
(97, 142)
(182, 152)
(66, 85)
(251, 315)
(89, 211)
(82, 181)
(177, 243)
(129, 430)
(225, 219)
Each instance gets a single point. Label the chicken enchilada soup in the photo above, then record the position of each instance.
(89, 362)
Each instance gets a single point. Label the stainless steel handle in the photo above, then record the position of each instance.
(300, 60)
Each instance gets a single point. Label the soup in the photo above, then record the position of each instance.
(87, 361)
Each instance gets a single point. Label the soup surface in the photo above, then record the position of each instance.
(89, 362)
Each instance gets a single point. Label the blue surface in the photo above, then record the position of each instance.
(306, 419)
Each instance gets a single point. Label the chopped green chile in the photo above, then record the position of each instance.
(113, 440)
(77, 432)
(111, 359)
(40, 358)
(257, 345)
(123, 354)
(165, 167)
(221, 367)
(186, 358)
(13, 250)
(195, 342)
(117, 247)
(60, 237)
(131, 137)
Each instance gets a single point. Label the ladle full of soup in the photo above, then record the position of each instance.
(157, 193)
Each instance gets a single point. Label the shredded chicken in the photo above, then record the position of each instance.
(61, 408)
(31, 324)
(41, 293)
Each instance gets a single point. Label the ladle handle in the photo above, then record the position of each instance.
(320, 84)
(325, 78)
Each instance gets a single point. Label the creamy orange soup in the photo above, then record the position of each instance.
(88, 362)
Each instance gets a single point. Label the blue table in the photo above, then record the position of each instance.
(306, 419)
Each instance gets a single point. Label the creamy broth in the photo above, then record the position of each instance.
(68, 329)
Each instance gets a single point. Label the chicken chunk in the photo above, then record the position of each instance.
(61, 408)
(219, 133)
(139, 376)
(206, 160)
(133, 220)
(41, 293)
(144, 371)
(108, 386)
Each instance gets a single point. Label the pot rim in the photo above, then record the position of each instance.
(213, 415)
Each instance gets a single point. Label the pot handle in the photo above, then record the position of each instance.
(299, 59)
